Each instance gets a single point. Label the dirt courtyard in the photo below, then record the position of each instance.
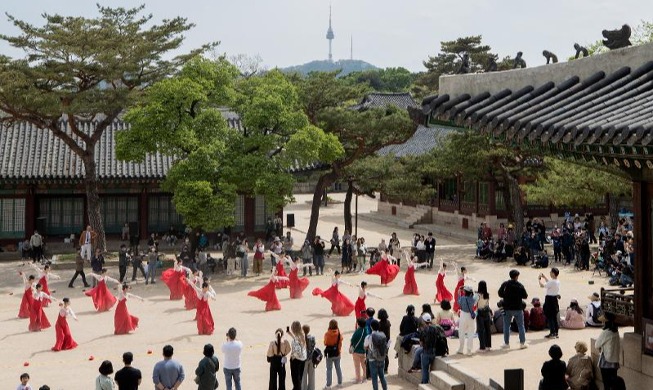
(167, 322)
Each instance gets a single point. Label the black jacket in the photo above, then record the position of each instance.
(512, 293)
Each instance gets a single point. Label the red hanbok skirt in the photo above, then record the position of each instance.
(123, 322)
(64, 338)
(44, 287)
(340, 304)
(37, 319)
(190, 297)
(281, 272)
(204, 317)
(441, 292)
(410, 284)
(267, 294)
(388, 272)
(175, 281)
(103, 300)
(297, 284)
(26, 304)
(360, 308)
(456, 294)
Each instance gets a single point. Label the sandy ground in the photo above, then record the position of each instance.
(166, 322)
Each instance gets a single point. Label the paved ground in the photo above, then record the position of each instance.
(164, 321)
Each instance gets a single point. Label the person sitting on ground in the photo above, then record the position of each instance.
(542, 261)
(446, 318)
(580, 370)
(521, 257)
(554, 370)
(593, 311)
(536, 317)
(574, 318)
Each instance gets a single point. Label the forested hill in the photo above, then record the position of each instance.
(347, 66)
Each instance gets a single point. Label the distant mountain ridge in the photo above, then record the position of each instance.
(347, 66)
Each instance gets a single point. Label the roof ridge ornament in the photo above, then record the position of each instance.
(580, 50)
(550, 57)
(519, 62)
(617, 39)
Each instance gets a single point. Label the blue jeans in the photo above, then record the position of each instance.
(318, 262)
(330, 362)
(427, 359)
(507, 319)
(376, 371)
(229, 374)
(244, 266)
(151, 271)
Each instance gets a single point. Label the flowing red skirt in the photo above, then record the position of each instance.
(456, 295)
(26, 304)
(204, 317)
(441, 292)
(103, 300)
(190, 297)
(281, 272)
(267, 294)
(340, 304)
(297, 284)
(175, 281)
(388, 272)
(360, 307)
(44, 284)
(123, 322)
(410, 284)
(37, 319)
(64, 338)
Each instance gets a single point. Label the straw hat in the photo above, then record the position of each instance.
(595, 297)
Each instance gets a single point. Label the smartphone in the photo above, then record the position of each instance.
(288, 329)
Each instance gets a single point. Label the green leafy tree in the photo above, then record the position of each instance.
(383, 80)
(80, 69)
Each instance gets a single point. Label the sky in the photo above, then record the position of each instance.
(386, 33)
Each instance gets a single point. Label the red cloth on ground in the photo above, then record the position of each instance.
(268, 295)
(44, 287)
(297, 284)
(123, 322)
(456, 294)
(281, 272)
(410, 284)
(37, 319)
(176, 282)
(26, 304)
(204, 317)
(64, 338)
(190, 297)
(360, 307)
(388, 272)
(103, 300)
(340, 304)
(441, 292)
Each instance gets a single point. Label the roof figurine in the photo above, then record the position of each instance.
(464, 66)
(519, 62)
(580, 50)
(550, 57)
(491, 65)
(617, 39)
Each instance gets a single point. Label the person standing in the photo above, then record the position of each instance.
(137, 264)
(288, 244)
(609, 345)
(308, 379)
(205, 373)
(87, 240)
(103, 381)
(554, 370)
(168, 374)
(297, 354)
(79, 270)
(333, 344)
(242, 252)
(307, 257)
(232, 349)
(467, 325)
(356, 344)
(24, 382)
(318, 255)
(430, 249)
(64, 339)
(36, 242)
(152, 259)
(97, 264)
(259, 255)
(128, 377)
(483, 317)
(376, 345)
(551, 307)
(276, 355)
(335, 241)
(123, 262)
(513, 294)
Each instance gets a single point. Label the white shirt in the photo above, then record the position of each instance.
(232, 350)
(88, 237)
(552, 287)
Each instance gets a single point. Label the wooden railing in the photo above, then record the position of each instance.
(620, 302)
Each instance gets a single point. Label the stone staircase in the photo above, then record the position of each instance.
(406, 220)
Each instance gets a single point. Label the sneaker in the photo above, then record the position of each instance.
(523, 346)
(87, 285)
(70, 286)
(505, 346)
(459, 352)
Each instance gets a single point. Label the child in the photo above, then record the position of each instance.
(24, 385)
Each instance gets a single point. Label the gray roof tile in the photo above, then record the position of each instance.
(423, 141)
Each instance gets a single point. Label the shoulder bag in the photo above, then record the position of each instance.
(353, 348)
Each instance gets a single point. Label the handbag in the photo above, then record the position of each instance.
(331, 351)
(353, 348)
(471, 312)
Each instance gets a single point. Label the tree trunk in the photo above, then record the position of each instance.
(93, 197)
(516, 209)
(324, 181)
(347, 207)
(613, 209)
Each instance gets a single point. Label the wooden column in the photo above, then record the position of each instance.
(642, 230)
(143, 209)
(250, 217)
(30, 211)
(491, 199)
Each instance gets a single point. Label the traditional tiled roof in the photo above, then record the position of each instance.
(602, 115)
(423, 141)
(378, 99)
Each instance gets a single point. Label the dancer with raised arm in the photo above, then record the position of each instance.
(190, 296)
(124, 322)
(283, 281)
(205, 324)
(385, 269)
(175, 279)
(410, 284)
(441, 292)
(297, 285)
(268, 293)
(360, 307)
(103, 300)
(462, 278)
(64, 338)
(44, 276)
(37, 319)
(28, 295)
(340, 305)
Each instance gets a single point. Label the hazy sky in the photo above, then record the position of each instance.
(385, 32)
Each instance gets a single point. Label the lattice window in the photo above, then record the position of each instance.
(483, 193)
(62, 215)
(239, 212)
(116, 210)
(162, 214)
(12, 218)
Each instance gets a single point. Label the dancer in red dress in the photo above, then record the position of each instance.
(175, 279)
(268, 293)
(124, 322)
(64, 338)
(44, 277)
(457, 293)
(340, 305)
(204, 317)
(387, 271)
(297, 285)
(190, 295)
(37, 319)
(103, 300)
(283, 281)
(28, 296)
(441, 292)
(360, 307)
(410, 284)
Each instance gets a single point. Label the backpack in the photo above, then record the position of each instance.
(436, 338)
(379, 347)
(316, 357)
(596, 313)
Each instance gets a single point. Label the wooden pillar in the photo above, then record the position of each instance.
(30, 211)
(250, 217)
(642, 230)
(491, 199)
(143, 209)
(478, 193)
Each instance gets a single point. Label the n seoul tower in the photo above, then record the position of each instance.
(330, 36)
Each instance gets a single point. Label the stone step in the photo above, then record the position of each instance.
(426, 387)
(441, 380)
